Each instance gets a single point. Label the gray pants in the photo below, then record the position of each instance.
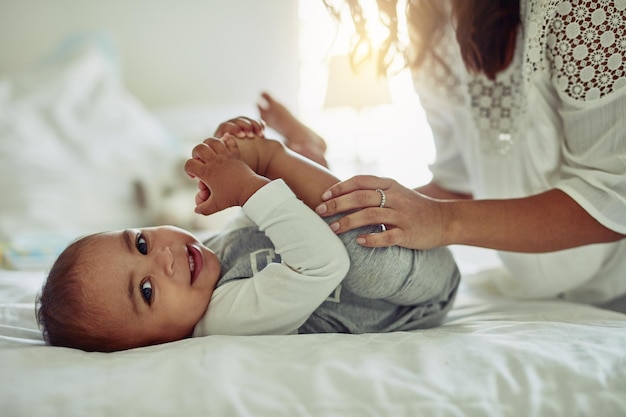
(388, 289)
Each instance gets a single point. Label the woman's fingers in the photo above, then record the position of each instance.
(356, 193)
(359, 199)
(388, 237)
(358, 182)
(411, 219)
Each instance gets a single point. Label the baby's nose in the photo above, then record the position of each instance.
(166, 259)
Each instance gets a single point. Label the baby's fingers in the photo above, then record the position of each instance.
(232, 128)
(206, 207)
(203, 193)
(241, 127)
(231, 144)
(193, 167)
(204, 151)
(203, 155)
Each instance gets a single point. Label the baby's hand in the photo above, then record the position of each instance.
(225, 180)
(256, 152)
(241, 127)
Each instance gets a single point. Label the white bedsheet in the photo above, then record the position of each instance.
(493, 357)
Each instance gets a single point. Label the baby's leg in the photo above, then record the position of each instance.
(298, 137)
(399, 275)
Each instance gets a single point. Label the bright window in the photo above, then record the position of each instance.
(390, 140)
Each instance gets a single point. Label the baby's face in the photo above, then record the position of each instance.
(154, 283)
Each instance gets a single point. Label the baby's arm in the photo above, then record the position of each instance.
(281, 296)
(272, 159)
(307, 179)
(297, 136)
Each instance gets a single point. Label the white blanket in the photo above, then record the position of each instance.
(493, 357)
(78, 153)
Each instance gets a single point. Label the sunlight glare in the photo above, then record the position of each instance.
(391, 140)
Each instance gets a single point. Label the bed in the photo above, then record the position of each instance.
(493, 356)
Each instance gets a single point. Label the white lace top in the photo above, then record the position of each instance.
(555, 118)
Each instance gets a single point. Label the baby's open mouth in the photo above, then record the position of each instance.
(194, 257)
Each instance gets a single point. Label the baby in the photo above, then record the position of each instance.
(277, 270)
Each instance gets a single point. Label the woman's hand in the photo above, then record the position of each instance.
(411, 219)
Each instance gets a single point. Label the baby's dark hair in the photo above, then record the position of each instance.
(64, 313)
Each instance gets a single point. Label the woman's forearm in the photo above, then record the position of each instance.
(542, 223)
(434, 190)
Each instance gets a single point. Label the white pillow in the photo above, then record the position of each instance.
(76, 149)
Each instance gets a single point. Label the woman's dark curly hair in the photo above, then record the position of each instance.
(485, 30)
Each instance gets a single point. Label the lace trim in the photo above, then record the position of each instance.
(582, 43)
(587, 46)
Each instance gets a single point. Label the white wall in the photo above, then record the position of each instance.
(210, 52)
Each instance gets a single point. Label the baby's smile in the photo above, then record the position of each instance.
(196, 262)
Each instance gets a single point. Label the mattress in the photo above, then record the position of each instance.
(492, 357)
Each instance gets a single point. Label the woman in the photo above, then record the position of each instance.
(526, 101)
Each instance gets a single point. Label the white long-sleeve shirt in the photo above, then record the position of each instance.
(283, 271)
(555, 118)
(281, 296)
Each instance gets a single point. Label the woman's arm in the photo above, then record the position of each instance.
(434, 190)
(541, 223)
(544, 222)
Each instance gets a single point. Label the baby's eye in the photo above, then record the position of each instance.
(141, 244)
(146, 291)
